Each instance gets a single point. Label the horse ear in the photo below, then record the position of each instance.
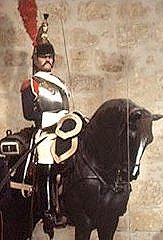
(135, 114)
(156, 117)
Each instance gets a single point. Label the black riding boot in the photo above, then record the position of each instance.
(49, 199)
(46, 199)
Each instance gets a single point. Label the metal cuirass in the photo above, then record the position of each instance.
(51, 97)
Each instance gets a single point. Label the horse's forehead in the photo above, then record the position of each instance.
(118, 109)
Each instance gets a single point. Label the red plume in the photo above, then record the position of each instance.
(28, 12)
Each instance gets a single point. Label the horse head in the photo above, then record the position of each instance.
(119, 132)
(140, 135)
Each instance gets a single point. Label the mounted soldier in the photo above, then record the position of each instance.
(45, 100)
(36, 154)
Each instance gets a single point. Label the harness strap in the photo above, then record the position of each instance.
(26, 167)
(114, 187)
(21, 186)
(94, 171)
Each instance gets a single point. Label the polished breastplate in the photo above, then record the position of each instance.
(51, 97)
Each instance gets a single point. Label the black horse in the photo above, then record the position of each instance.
(96, 179)
(108, 159)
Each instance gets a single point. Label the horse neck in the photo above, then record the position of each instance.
(107, 152)
(101, 157)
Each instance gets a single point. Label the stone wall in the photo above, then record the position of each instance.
(105, 49)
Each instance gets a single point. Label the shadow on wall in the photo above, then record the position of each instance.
(158, 236)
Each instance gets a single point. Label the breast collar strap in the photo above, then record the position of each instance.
(94, 171)
(117, 186)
